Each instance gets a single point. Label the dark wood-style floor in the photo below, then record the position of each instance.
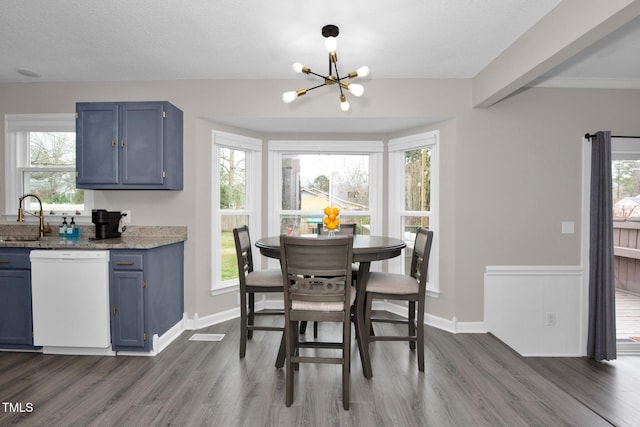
(470, 380)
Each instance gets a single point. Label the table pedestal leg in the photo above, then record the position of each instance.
(362, 335)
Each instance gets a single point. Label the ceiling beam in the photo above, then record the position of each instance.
(569, 28)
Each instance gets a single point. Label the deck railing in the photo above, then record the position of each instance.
(626, 250)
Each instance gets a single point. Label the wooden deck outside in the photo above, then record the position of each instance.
(627, 315)
(626, 248)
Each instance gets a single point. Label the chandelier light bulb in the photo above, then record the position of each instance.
(356, 89)
(297, 67)
(288, 97)
(344, 104)
(363, 71)
(331, 44)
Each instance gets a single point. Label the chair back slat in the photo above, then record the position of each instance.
(316, 270)
(244, 255)
(420, 257)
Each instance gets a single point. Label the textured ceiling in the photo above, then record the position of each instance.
(124, 40)
(72, 40)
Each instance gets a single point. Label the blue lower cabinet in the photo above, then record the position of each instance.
(146, 294)
(16, 321)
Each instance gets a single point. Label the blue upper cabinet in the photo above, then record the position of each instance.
(128, 146)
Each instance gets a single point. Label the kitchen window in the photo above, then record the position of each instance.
(236, 199)
(413, 197)
(307, 176)
(40, 158)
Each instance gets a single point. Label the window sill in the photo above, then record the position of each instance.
(226, 289)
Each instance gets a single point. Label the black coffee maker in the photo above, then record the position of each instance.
(107, 223)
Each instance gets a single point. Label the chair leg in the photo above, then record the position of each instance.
(421, 334)
(367, 327)
(281, 352)
(315, 329)
(295, 339)
(346, 362)
(303, 327)
(290, 330)
(251, 317)
(412, 323)
(243, 324)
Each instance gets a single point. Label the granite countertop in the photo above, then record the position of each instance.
(135, 237)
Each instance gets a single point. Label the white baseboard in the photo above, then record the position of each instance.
(159, 343)
(437, 322)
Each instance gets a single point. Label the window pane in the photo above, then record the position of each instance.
(417, 176)
(229, 264)
(310, 182)
(626, 188)
(57, 190)
(52, 149)
(232, 179)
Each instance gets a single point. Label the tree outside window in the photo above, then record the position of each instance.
(50, 173)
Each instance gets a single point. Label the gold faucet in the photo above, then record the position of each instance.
(21, 213)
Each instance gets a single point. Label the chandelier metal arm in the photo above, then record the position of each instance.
(317, 75)
(316, 87)
(333, 61)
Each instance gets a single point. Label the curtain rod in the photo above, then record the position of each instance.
(593, 135)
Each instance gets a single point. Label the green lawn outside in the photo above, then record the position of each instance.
(229, 263)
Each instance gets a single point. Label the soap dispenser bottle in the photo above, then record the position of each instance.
(62, 232)
(71, 230)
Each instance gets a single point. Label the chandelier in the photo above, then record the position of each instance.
(330, 32)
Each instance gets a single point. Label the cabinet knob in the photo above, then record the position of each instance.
(115, 311)
(122, 143)
(113, 143)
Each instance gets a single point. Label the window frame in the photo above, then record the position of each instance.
(396, 150)
(253, 200)
(16, 127)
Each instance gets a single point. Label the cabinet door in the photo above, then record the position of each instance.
(142, 143)
(15, 307)
(96, 144)
(127, 310)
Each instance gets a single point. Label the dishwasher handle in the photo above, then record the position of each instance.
(69, 256)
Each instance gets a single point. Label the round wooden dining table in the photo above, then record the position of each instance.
(366, 249)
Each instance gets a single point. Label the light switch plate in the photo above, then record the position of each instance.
(568, 227)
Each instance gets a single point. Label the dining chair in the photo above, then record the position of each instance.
(317, 287)
(252, 282)
(348, 229)
(410, 288)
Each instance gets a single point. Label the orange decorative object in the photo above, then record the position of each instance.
(331, 221)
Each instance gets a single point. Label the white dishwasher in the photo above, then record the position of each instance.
(70, 294)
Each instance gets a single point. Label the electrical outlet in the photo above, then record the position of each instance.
(127, 217)
(551, 319)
